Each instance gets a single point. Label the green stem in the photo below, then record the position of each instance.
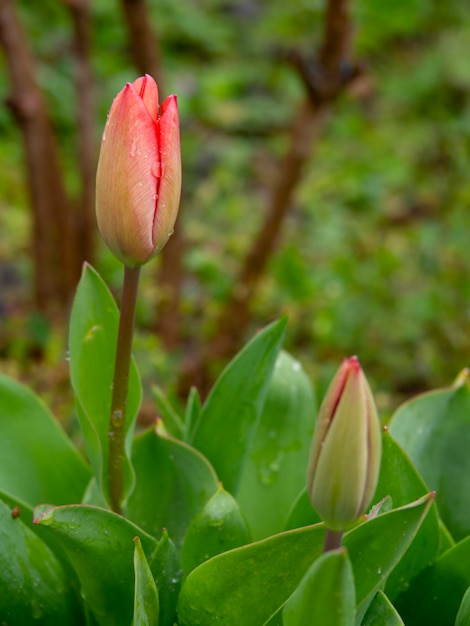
(117, 422)
(332, 540)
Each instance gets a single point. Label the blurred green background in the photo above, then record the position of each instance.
(374, 256)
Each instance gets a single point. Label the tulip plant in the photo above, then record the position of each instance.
(237, 510)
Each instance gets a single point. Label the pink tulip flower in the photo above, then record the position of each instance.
(138, 181)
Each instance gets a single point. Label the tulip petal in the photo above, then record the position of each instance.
(169, 190)
(147, 89)
(126, 188)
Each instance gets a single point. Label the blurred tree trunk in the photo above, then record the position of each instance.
(146, 54)
(326, 76)
(85, 112)
(55, 260)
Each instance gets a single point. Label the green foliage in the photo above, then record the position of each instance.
(325, 594)
(434, 429)
(32, 447)
(93, 333)
(188, 550)
(435, 595)
(229, 418)
(217, 528)
(35, 586)
(173, 482)
(275, 468)
(100, 546)
(381, 611)
(374, 258)
(146, 606)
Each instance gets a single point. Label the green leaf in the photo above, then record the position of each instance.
(276, 466)
(173, 482)
(171, 419)
(93, 334)
(446, 542)
(381, 612)
(325, 596)
(167, 572)
(192, 413)
(146, 607)
(34, 588)
(32, 448)
(434, 596)
(400, 480)
(230, 415)
(463, 616)
(100, 546)
(248, 585)
(219, 527)
(302, 512)
(434, 430)
(376, 547)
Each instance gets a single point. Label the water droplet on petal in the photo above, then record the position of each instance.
(133, 148)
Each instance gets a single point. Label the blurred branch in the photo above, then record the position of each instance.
(52, 237)
(146, 55)
(86, 226)
(142, 39)
(325, 78)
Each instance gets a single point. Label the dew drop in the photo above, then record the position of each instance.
(133, 149)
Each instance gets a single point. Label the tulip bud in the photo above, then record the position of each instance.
(346, 449)
(138, 182)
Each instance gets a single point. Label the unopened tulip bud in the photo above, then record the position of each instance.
(138, 182)
(346, 449)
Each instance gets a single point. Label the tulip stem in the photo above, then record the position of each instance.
(332, 540)
(117, 422)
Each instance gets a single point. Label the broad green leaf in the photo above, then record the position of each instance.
(25, 513)
(146, 607)
(400, 480)
(463, 616)
(32, 448)
(100, 546)
(435, 595)
(92, 338)
(434, 430)
(376, 547)
(325, 596)
(34, 588)
(302, 513)
(219, 527)
(446, 542)
(173, 482)
(249, 584)
(381, 612)
(171, 419)
(276, 466)
(167, 572)
(229, 417)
